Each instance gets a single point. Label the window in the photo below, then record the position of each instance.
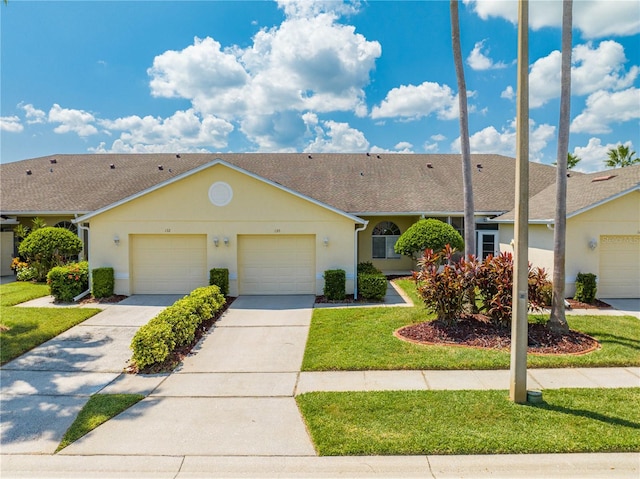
(67, 225)
(384, 237)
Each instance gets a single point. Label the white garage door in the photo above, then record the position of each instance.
(168, 264)
(276, 264)
(619, 267)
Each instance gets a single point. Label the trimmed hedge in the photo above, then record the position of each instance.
(372, 286)
(220, 277)
(586, 287)
(367, 267)
(175, 326)
(428, 234)
(103, 282)
(47, 247)
(335, 284)
(67, 282)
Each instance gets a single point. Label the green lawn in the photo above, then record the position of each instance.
(472, 422)
(362, 339)
(99, 409)
(30, 327)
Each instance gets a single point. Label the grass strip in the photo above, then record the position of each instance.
(25, 328)
(99, 409)
(362, 339)
(471, 422)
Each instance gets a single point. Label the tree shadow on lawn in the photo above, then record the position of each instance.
(614, 421)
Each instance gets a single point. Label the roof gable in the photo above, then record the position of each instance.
(206, 166)
(584, 192)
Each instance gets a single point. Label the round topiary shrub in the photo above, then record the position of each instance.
(48, 247)
(428, 234)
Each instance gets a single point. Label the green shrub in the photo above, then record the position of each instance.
(47, 247)
(372, 286)
(586, 287)
(67, 282)
(152, 343)
(428, 234)
(26, 272)
(335, 284)
(103, 282)
(367, 267)
(175, 326)
(220, 277)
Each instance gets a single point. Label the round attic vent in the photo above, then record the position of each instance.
(220, 193)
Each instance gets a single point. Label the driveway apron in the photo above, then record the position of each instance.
(43, 390)
(233, 396)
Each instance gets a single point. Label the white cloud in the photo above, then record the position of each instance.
(438, 137)
(414, 102)
(594, 154)
(77, 121)
(183, 131)
(403, 146)
(594, 18)
(335, 137)
(11, 124)
(490, 140)
(479, 59)
(508, 93)
(310, 62)
(34, 115)
(592, 69)
(604, 108)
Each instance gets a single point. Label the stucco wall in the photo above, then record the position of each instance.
(617, 217)
(183, 207)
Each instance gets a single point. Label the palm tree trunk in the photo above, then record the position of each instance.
(467, 185)
(558, 321)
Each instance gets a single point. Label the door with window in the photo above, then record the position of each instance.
(487, 244)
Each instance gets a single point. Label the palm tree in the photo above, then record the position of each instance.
(467, 185)
(620, 157)
(572, 161)
(558, 320)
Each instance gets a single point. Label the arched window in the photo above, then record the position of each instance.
(383, 239)
(68, 225)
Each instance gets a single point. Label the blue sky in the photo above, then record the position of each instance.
(303, 75)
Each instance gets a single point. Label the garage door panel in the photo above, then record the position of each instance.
(168, 264)
(619, 275)
(282, 264)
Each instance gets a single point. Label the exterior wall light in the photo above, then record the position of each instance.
(216, 241)
(593, 243)
(325, 241)
(226, 241)
(116, 240)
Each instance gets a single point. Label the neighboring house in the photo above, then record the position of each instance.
(603, 230)
(276, 221)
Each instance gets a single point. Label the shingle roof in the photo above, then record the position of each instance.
(355, 183)
(584, 191)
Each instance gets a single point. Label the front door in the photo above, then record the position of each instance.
(487, 244)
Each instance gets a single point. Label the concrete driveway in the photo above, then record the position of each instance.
(43, 390)
(233, 397)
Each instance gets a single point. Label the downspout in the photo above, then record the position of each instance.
(84, 293)
(355, 259)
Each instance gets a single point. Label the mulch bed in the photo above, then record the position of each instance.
(597, 304)
(347, 300)
(116, 298)
(179, 354)
(476, 331)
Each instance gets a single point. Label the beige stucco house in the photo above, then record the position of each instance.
(276, 221)
(603, 230)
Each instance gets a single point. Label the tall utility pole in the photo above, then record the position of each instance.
(519, 323)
